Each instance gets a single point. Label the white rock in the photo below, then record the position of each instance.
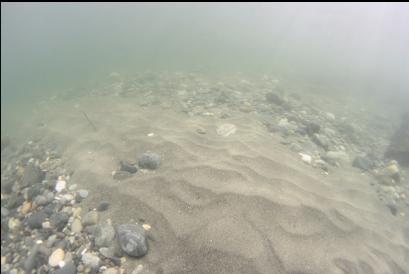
(306, 158)
(56, 257)
(60, 186)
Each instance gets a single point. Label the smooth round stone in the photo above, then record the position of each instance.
(40, 200)
(226, 129)
(132, 240)
(69, 268)
(36, 220)
(104, 235)
(90, 218)
(56, 257)
(149, 161)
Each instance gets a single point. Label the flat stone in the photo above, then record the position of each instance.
(76, 226)
(83, 193)
(131, 238)
(124, 166)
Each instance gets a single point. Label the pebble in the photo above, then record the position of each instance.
(13, 223)
(362, 162)
(306, 158)
(226, 129)
(90, 260)
(60, 185)
(131, 238)
(90, 218)
(111, 270)
(121, 175)
(83, 193)
(41, 200)
(56, 257)
(32, 175)
(104, 205)
(59, 220)
(124, 166)
(68, 268)
(104, 235)
(149, 161)
(25, 208)
(46, 225)
(76, 226)
(36, 220)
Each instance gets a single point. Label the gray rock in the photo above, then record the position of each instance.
(4, 212)
(363, 163)
(83, 193)
(90, 260)
(41, 200)
(149, 161)
(59, 220)
(38, 256)
(321, 140)
(69, 268)
(32, 175)
(273, 98)
(392, 207)
(132, 240)
(103, 206)
(90, 218)
(336, 157)
(35, 220)
(14, 201)
(104, 235)
(34, 190)
(312, 128)
(124, 166)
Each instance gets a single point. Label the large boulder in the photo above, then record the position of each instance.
(399, 145)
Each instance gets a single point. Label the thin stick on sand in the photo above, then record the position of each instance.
(89, 121)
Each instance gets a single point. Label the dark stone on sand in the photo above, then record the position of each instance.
(104, 205)
(399, 145)
(59, 220)
(131, 239)
(128, 167)
(69, 268)
(271, 97)
(32, 175)
(363, 163)
(149, 161)
(121, 175)
(35, 220)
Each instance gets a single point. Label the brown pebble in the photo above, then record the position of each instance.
(25, 208)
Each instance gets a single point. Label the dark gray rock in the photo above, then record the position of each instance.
(32, 175)
(273, 98)
(59, 220)
(69, 268)
(132, 240)
(104, 235)
(363, 163)
(399, 145)
(41, 200)
(149, 161)
(124, 166)
(35, 220)
(34, 190)
(312, 128)
(38, 256)
(121, 175)
(104, 205)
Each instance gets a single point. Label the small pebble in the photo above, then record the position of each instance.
(104, 205)
(56, 257)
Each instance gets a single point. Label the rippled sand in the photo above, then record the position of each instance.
(237, 204)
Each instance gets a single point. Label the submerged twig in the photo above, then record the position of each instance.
(89, 121)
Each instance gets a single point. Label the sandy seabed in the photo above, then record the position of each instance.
(236, 204)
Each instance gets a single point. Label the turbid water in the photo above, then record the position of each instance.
(205, 138)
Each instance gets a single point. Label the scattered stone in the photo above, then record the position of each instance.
(149, 161)
(41, 200)
(104, 235)
(32, 175)
(226, 129)
(83, 193)
(25, 208)
(90, 218)
(336, 157)
(90, 260)
(121, 175)
(131, 238)
(35, 220)
(124, 166)
(56, 257)
(104, 205)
